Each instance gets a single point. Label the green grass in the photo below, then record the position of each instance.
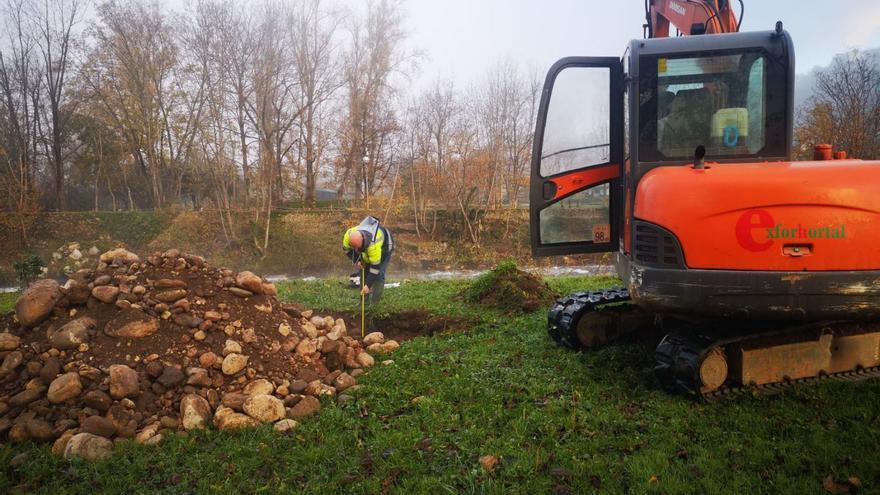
(7, 301)
(559, 421)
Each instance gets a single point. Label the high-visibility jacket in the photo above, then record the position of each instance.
(378, 245)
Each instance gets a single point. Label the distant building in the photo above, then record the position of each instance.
(325, 194)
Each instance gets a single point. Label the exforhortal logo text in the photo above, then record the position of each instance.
(756, 230)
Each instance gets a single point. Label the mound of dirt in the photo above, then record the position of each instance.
(132, 349)
(509, 289)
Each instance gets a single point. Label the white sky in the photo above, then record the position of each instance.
(462, 37)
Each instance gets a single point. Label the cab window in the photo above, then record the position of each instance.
(719, 101)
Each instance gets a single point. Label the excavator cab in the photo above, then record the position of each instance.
(605, 122)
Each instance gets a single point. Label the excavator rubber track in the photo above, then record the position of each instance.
(812, 353)
(566, 314)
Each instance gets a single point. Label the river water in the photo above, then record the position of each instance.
(396, 276)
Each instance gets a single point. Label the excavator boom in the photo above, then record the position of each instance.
(690, 17)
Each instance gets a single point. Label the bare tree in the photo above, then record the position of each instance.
(314, 50)
(374, 57)
(845, 109)
(55, 21)
(20, 86)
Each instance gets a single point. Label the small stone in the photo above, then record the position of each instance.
(233, 363)
(488, 462)
(64, 388)
(306, 407)
(344, 381)
(88, 446)
(207, 359)
(365, 360)
(195, 412)
(170, 296)
(306, 347)
(259, 387)
(97, 399)
(298, 386)
(285, 425)
(9, 342)
(123, 381)
(50, 370)
(171, 376)
(236, 291)
(119, 254)
(72, 334)
(39, 430)
(10, 363)
(231, 347)
(169, 283)
(105, 293)
(98, 425)
(374, 338)
(131, 323)
(147, 432)
(250, 282)
(227, 419)
(376, 348)
(61, 443)
(155, 368)
(264, 408)
(284, 329)
(155, 439)
(199, 336)
(102, 280)
(234, 400)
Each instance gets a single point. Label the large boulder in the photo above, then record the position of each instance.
(264, 408)
(195, 412)
(131, 323)
(88, 446)
(64, 388)
(36, 303)
(72, 334)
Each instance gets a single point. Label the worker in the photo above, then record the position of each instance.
(370, 246)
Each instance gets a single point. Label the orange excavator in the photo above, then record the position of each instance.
(761, 271)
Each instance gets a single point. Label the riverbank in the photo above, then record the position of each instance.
(302, 243)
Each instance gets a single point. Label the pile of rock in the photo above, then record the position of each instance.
(71, 257)
(133, 349)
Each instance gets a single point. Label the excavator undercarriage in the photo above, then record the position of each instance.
(713, 358)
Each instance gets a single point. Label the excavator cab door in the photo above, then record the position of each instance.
(575, 197)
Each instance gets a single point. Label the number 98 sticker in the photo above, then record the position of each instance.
(601, 233)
